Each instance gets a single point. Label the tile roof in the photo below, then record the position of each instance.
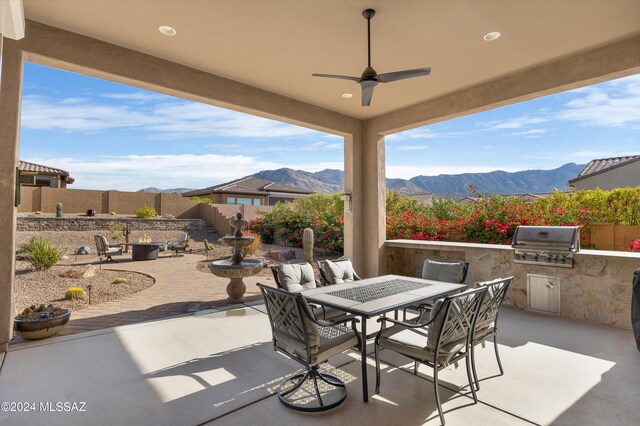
(25, 166)
(248, 185)
(602, 165)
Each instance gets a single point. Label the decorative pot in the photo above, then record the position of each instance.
(33, 329)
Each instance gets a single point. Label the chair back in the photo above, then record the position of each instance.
(488, 315)
(182, 238)
(453, 319)
(294, 277)
(293, 331)
(452, 272)
(101, 244)
(337, 271)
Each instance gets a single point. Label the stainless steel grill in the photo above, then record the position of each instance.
(546, 245)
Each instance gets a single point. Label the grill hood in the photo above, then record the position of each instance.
(556, 238)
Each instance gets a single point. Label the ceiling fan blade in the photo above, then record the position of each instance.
(343, 77)
(401, 75)
(367, 94)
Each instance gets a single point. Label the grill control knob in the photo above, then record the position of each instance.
(562, 259)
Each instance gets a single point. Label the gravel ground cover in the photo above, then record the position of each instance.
(36, 287)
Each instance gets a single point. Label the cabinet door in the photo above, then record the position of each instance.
(544, 293)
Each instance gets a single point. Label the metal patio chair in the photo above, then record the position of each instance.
(337, 271)
(300, 336)
(437, 338)
(180, 245)
(452, 272)
(297, 277)
(105, 250)
(487, 322)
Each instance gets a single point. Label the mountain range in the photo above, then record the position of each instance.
(172, 190)
(496, 182)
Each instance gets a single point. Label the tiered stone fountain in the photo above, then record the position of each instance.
(237, 267)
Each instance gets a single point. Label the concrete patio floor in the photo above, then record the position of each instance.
(218, 367)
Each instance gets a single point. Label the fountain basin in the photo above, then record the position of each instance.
(235, 273)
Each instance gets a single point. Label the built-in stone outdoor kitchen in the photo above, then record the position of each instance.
(597, 288)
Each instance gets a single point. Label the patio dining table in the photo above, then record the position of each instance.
(377, 296)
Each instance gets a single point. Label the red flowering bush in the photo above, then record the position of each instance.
(488, 219)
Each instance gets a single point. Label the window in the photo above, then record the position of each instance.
(244, 201)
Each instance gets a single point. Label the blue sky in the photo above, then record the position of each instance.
(112, 136)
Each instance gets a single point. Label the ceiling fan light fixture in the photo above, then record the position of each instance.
(494, 35)
(167, 30)
(370, 78)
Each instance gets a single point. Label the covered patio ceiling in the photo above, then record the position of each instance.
(277, 44)
(257, 56)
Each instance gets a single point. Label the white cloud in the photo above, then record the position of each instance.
(418, 133)
(411, 147)
(422, 133)
(135, 96)
(513, 123)
(172, 119)
(133, 172)
(531, 133)
(590, 155)
(613, 104)
(282, 147)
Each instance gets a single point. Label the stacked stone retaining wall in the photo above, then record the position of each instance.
(100, 224)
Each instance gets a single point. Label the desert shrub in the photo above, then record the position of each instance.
(75, 293)
(146, 212)
(119, 281)
(116, 230)
(254, 246)
(40, 253)
(201, 199)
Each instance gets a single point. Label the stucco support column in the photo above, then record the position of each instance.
(374, 186)
(353, 218)
(10, 97)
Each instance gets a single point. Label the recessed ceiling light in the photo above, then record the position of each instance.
(167, 30)
(492, 36)
(347, 95)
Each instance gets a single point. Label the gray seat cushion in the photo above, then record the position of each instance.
(339, 272)
(327, 342)
(296, 277)
(418, 343)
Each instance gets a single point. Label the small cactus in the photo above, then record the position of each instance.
(59, 209)
(307, 244)
(75, 293)
(120, 281)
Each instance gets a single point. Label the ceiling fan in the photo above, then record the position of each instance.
(370, 78)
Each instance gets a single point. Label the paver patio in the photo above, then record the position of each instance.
(218, 367)
(179, 288)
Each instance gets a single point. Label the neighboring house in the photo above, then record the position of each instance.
(530, 198)
(467, 199)
(609, 173)
(425, 199)
(32, 174)
(249, 191)
(527, 198)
